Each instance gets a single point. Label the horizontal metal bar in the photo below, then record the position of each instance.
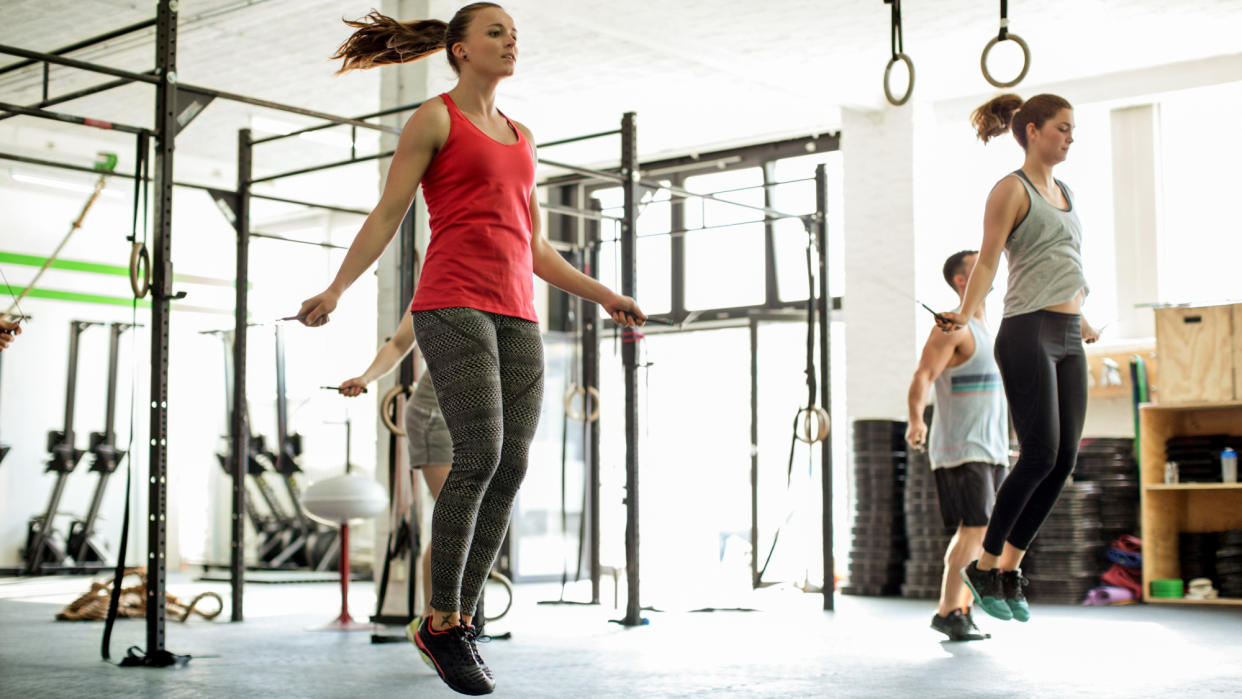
(69, 97)
(658, 186)
(576, 139)
(316, 168)
(281, 238)
(598, 174)
(767, 185)
(684, 231)
(329, 207)
(81, 65)
(570, 211)
(72, 119)
(83, 44)
(188, 185)
(320, 127)
(153, 80)
(234, 97)
(720, 318)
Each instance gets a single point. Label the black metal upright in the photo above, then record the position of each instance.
(590, 382)
(629, 359)
(753, 327)
(161, 284)
(825, 375)
(240, 431)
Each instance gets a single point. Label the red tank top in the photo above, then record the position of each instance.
(478, 197)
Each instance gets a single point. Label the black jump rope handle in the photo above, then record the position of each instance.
(336, 388)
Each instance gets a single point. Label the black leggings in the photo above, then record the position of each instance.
(1045, 372)
(487, 370)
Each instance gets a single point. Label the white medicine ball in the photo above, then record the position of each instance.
(343, 498)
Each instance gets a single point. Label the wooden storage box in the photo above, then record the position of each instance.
(1200, 351)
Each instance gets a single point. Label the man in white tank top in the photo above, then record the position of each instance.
(968, 447)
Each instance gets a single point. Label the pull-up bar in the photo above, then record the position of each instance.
(151, 79)
(658, 186)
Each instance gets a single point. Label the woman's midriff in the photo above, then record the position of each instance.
(1073, 306)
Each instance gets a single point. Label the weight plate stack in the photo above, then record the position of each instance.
(1067, 557)
(1198, 457)
(1196, 553)
(1110, 463)
(1229, 564)
(925, 567)
(879, 543)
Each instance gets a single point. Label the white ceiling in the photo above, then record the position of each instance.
(698, 72)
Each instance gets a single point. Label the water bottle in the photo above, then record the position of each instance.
(1229, 466)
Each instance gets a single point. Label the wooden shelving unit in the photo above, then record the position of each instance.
(1168, 509)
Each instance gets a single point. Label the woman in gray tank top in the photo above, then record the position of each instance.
(1030, 215)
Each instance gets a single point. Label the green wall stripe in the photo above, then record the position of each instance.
(16, 258)
(57, 295)
(78, 297)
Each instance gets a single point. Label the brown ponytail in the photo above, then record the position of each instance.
(1008, 111)
(381, 40)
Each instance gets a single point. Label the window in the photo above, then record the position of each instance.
(1200, 246)
(724, 262)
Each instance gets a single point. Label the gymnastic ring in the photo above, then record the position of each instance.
(386, 406)
(576, 391)
(804, 416)
(593, 393)
(888, 71)
(139, 281)
(1026, 60)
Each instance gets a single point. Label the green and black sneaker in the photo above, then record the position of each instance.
(1012, 583)
(987, 589)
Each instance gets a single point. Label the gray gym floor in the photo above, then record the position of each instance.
(867, 647)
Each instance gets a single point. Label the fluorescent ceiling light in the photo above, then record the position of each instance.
(67, 185)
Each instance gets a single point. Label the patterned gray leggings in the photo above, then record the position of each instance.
(487, 370)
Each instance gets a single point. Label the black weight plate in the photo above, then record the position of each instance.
(870, 590)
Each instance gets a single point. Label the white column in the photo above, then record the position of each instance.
(400, 85)
(880, 343)
(1136, 212)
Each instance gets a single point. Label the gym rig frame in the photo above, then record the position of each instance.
(174, 99)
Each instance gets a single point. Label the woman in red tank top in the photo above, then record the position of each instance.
(473, 310)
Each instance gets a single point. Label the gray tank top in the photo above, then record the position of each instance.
(1045, 254)
(971, 421)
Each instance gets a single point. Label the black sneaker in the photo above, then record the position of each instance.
(1012, 582)
(472, 637)
(449, 654)
(988, 592)
(970, 621)
(958, 627)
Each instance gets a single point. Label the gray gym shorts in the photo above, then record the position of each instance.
(428, 437)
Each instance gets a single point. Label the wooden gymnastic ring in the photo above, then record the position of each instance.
(139, 270)
(386, 407)
(804, 418)
(576, 391)
(593, 392)
(1026, 60)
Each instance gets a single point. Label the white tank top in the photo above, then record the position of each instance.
(971, 420)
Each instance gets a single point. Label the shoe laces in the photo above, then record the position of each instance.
(1013, 582)
(471, 635)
